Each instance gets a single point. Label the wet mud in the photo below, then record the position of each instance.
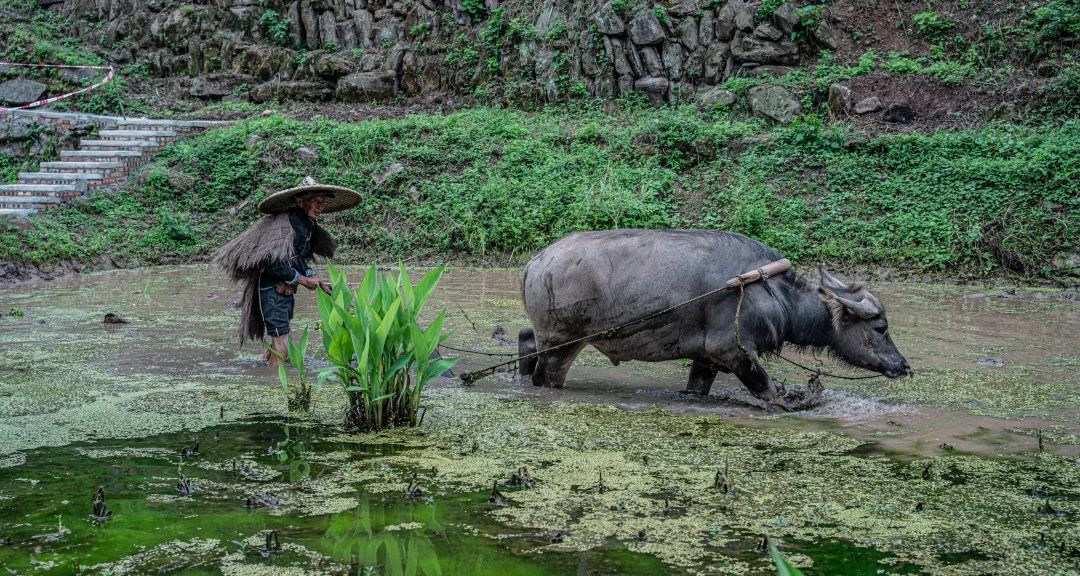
(969, 467)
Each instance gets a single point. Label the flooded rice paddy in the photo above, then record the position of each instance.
(970, 467)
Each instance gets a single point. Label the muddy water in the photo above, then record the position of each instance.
(84, 404)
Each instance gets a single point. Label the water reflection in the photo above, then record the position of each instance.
(389, 540)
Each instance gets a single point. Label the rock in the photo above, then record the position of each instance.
(824, 35)
(213, 86)
(333, 66)
(290, 90)
(673, 60)
(749, 48)
(724, 27)
(767, 31)
(710, 98)
(715, 62)
(688, 34)
(608, 21)
(652, 61)
(769, 71)
(868, 105)
(774, 103)
(694, 64)
(707, 28)
(626, 84)
(1067, 263)
(391, 171)
(656, 88)
(744, 16)
(645, 29)
(366, 86)
(78, 76)
(21, 91)
(785, 17)
(990, 361)
(364, 23)
(900, 114)
(839, 100)
(618, 57)
(682, 7)
(308, 154)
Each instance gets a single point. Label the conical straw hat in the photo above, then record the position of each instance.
(337, 197)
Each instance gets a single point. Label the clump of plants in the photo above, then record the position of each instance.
(378, 351)
(300, 396)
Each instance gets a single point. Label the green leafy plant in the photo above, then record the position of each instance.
(331, 46)
(16, 313)
(661, 14)
(377, 349)
(276, 28)
(931, 24)
(297, 356)
(421, 31)
(476, 10)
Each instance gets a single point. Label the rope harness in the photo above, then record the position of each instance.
(739, 282)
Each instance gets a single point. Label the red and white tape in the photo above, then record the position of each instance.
(108, 77)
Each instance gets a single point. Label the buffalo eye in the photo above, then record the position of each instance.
(881, 329)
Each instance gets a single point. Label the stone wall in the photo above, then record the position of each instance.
(530, 50)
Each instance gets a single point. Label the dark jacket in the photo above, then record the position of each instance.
(290, 271)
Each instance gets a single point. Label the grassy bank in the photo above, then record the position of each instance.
(489, 183)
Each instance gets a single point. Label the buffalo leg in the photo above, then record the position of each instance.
(702, 375)
(552, 367)
(753, 375)
(526, 345)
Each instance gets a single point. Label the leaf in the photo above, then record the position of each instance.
(783, 567)
(283, 376)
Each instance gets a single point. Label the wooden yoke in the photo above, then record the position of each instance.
(770, 269)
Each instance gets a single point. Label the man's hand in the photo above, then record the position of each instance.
(310, 282)
(326, 287)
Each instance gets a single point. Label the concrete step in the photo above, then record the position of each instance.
(103, 168)
(160, 136)
(16, 212)
(29, 202)
(89, 180)
(62, 191)
(166, 124)
(97, 155)
(121, 145)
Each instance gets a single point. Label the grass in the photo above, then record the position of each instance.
(487, 183)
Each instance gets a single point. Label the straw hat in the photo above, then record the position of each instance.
(337, 197)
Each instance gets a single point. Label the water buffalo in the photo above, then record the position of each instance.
(590, 281)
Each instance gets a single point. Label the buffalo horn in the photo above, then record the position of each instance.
(863, 308)
(830, 281)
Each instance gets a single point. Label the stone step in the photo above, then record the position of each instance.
(35, 190)
(160, 136)
(79, 179)
(83, 167)
(16, 212)
(121, 145)
(29, 202)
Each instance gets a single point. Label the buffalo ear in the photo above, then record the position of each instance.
(835, 308)
(830, 281)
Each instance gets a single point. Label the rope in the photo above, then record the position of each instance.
(821, 372)
(477, 351)
(108, 77)
(470, 377)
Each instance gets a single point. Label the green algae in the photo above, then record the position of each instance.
(1010, 394)
(797, 485)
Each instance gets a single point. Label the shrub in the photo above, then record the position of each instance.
(932, 25)
(377, 350)
(276, 28)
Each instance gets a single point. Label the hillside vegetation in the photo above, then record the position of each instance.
(489, 182)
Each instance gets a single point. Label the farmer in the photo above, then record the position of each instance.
(271, 259)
